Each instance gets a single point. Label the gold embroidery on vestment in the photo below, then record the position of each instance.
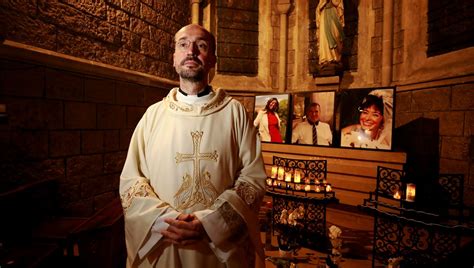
(198, 188)
(215, 102)
(234, 222)
(247, 192)
(141, 188)
(174, 106)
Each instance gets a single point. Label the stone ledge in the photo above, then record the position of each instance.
(14, 50)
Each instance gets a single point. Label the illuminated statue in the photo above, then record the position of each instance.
(329, 32)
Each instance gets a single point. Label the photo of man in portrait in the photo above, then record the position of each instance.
(313, 126)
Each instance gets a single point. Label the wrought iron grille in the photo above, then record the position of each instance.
(313, 233)
(312, 169)
(389, 181)
(453, 186)
(421, 244)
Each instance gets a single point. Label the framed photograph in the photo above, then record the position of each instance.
(312, 118)
(366, 118)
(271, 117)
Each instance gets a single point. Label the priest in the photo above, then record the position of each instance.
(193, 180)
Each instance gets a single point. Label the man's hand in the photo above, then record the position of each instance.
(184, 230)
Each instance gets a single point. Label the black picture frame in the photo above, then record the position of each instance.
(362, 125)
(301, 130)
(261, 119)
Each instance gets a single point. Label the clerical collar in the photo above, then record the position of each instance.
(205, 92)
(181, 96)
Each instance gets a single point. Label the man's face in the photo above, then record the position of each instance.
(193, 56)
(313, 114)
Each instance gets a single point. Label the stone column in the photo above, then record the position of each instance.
(195, 11)
(283, 6)
(387, 42)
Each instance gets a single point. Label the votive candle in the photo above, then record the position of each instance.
(297, 176)
(274, 172)
(281, 173)
(411, 192)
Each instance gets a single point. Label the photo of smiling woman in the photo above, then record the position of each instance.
(374, 127)
(271, 112)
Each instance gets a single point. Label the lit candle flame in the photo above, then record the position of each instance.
(397, 195)
(269, 182)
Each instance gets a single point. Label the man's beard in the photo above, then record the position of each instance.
(192, 75)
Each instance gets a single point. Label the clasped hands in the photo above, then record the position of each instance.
(186, 229)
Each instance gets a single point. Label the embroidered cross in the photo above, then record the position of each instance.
(197, 189)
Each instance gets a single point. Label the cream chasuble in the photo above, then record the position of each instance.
(202, 158)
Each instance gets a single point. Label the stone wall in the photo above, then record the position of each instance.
(237, 35)
(275, 50)
(71, 127)
(135, 35)
(436, 125)
(450, 26)
(398, 39)
(376, 42)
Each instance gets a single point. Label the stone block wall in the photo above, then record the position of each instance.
(376, 42)
(450, 26)
(68, 126)
(398, 40)
(275, 50)
(237, 35)
(135, 35)
(451, 107)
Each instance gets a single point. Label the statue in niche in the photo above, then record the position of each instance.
(330, 35)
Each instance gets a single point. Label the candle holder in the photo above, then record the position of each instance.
(274, 172)
(288, 176)
(410, 192)
(281, 173)
(297, 178)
